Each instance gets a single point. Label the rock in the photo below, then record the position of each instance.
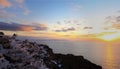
(5, 42)
(70, 61)
(1, 33)
(7, 46)
(1, 36)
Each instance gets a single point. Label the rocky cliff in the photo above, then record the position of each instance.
(16, 54)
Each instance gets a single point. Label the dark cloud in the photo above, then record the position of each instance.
(12, 26)
(21, 27)
(88, 27)
(41, 27)
(118, 11)
(59, 22)
(118, 19)
(114, 21)
(66, 29)
(71, 29)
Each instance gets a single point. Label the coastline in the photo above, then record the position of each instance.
(16, 54)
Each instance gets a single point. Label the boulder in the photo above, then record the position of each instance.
(70, 61)
(1, 33)
(1, 36)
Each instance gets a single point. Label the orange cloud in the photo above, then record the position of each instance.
(11, 4)
(25, 28)
(43, 25)
(116, 26)
(5, 3)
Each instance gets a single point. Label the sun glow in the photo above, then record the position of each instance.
(110, 37)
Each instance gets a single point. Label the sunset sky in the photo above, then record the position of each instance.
(61, 19)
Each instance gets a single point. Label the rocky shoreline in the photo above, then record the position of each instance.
(16, 54)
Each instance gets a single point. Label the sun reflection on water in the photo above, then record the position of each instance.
(109, 62)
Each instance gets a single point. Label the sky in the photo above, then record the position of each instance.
(61, 19)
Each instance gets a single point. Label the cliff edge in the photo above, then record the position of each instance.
(17, 54)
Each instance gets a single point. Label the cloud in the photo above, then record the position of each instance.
(21, 4)
(88, 27)
(77, 8)
(112, 22)
(112, 19)
(118, 11)
(41, 27)
(68, 25)
(6, 15)
(15, 4)
(5, 3)
(26, 11)
(116, 26)
(21, 27)
(118, 19)
(66, 29)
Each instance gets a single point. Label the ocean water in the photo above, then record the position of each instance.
(105, 54)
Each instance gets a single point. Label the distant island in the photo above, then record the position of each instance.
(18, 54)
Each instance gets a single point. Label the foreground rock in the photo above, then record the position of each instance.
(16, 54)
(70, 61)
